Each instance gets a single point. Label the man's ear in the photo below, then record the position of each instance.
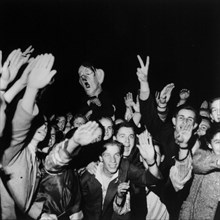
(80, 82)
(195, 125)
(100, 159)
(174, 121)
(210, 146)
(100, 75)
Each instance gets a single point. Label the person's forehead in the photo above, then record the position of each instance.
(216, 104)
(83, 69)
(204, 122)
(112, 149)
(187, 113)
(79, 119)
(61, 118)
(105, 121)
(125, 130)
(216, 136)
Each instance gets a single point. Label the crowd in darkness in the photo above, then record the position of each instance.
(117, 118)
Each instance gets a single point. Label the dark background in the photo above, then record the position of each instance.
(182, 39)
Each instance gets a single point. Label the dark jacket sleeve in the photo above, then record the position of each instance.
(150, 116)
(141, 177)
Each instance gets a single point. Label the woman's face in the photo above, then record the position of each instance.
(215, 143)
(41, 132)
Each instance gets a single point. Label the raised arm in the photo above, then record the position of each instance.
(162, 98)
(20, 83)
(39, 77)
(147, 152)
(142, 73)
(8, 72)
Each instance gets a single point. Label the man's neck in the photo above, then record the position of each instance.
(96, 93)
(106, 173)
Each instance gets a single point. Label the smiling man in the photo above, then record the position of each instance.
(98, 102)
(100, 189)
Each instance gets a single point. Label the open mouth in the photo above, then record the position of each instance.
(86, 85)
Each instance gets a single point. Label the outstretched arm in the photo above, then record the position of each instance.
(40, 76)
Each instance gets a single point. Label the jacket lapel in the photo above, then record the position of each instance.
(111, 192)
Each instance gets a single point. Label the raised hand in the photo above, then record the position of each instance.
(184, 94)
(12, 65)
(24, 77)
(146, 147)
(165, 93)
(122, 189)
(41, 73)
(184, 134)
(129, 100)
(136, 106)
(86, 133)
(142, 72)
(28, 51)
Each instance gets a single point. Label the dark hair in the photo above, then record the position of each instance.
(124, 124)
(113, 143)
(89, 65)
(213, 100)
(78, 116)
(212, 131)
(188, 107)
(37, 122)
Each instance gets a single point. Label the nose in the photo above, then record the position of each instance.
(127, 140)
(113, 160)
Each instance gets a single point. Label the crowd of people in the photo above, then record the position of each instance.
(156, 162)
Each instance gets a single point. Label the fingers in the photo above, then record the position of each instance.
(28, 51)
(147, 61)
(123, 187)
(140, 61)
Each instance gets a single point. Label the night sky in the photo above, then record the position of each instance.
(182, 39)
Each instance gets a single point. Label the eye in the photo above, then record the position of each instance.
(131, 136)
(117, 155)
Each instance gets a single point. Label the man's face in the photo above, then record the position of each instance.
(78, 122)
(215, 110)
(203, 126)
(184, 116)
(111, 159)
(61, 121)
(88, 81)
(215, 144)
(126, 136)
(107, 124)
